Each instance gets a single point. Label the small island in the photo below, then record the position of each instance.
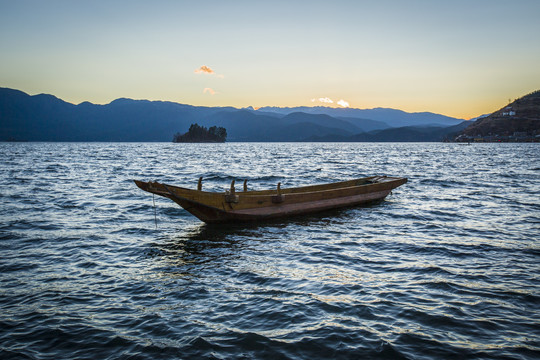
(200, 134)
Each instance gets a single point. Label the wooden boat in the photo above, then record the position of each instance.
(233, 206)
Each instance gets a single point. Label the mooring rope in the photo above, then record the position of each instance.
(155, 211)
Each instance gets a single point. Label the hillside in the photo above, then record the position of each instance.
(401, 134)
(47, 118)
(245, 125)
(517, 121)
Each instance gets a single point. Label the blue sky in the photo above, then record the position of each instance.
(458, 58)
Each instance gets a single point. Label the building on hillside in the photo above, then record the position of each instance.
(508, 111)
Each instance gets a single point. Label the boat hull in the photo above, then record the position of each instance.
(271, 204)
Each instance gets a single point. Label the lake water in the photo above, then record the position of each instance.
(447, 267)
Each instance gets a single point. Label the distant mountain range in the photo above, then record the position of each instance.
(47, 118)
(390, 117)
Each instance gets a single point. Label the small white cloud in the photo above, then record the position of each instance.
(343, 103)
(209, 90)
(326, 100)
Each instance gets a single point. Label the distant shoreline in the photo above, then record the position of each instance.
(274, 142)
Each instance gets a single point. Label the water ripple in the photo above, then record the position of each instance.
(447, 267)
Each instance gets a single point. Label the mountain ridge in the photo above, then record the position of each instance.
(392, 117)
(45, 117)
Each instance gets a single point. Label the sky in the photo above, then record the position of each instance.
(460, 58)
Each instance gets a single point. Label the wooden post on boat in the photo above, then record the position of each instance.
(278, 198)
(245, 185)
(231, 197)
(199, 184)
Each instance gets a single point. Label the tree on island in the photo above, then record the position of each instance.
(198, 134)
